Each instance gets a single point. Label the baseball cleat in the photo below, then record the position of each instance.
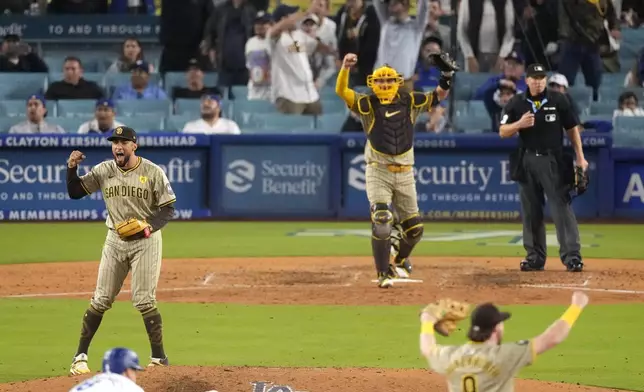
(574, 266)
(525, 265)
(384, 280)
(403, 268)
(159, 362)
(79, 365)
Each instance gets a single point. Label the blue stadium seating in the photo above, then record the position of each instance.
(18, 108)
(193, 107)
(69, 124)
(336, 105)
(21, 86)
(137, 107)
(7, 122)
(76, 107)
(143, 124)
(628, 139)
(583, 95)
(97, 77)
(118, 79)
(178, 79)
(603, 108)
(243, 111)
(472, 123)
(175, 122)
(612, 93)
(284, 123)
(629, 124)
(331, 122)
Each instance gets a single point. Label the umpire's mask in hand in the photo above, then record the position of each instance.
(385, 83)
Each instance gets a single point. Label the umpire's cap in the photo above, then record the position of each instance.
(119, 359)
(536, 71)
(123, 133)
(484, 319)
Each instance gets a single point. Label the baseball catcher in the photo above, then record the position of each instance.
(486, 364)
(388, 116)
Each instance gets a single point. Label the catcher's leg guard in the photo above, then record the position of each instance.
(412, 233)
(382, 221)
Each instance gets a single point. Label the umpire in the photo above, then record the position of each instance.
(541, 165)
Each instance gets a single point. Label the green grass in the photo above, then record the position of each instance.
(22, 243)
(39, 337)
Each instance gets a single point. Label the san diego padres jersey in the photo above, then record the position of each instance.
(477, 367)
(135, 193)
(107, 382)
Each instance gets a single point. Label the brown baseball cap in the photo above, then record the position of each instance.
(484, 319)
(123, 133)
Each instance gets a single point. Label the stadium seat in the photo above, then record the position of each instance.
(603, 108)
(18, 108)
(327, 92)
(76, 108)
(143, 124)
(612, 93)
(239, 93)
(96, 77)
(461, 108)
(281, 123)
(331, 122)
(581, 94)
(462, 91)
(336, 105)
(22, 85)
(175, 122)
(69, 124)
(193, 107)
(118, 79)
(472, 123)
(477, 108)
(178, 79)
(136, 107)
(629, 124)
(628, 139)
(244, 111)
(7, 122)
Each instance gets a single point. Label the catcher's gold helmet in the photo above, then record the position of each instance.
(385, 82)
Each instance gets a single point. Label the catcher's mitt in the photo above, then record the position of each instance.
(443, 62)
(581, 180)
(447, 313)
(133, 228)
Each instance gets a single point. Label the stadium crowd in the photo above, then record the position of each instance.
(237, 66)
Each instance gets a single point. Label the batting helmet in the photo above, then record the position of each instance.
(119, 359)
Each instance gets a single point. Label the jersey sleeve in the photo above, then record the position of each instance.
(509, 113)
(424, 101)
(438, 358)
(515, 356)
(91, 181)
(163, 191)
(569, 118)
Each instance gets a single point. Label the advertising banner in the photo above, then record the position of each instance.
(275, 179)
(464, 185)
(75, 28)
(629, 186)
(33, 180)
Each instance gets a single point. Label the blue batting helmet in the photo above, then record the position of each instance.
(119, 359)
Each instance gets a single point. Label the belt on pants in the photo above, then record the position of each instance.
(541, 151)
(393, 168)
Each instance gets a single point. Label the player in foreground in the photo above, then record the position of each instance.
(118, 373)
(139, 201)
(388, 117)
(486, 364)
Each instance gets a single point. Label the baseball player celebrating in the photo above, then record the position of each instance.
(139, 201)
(486, 364)
(388, 117)
(118, 373)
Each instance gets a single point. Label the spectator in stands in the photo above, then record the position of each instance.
(538, 32)
(401, 36)
(581, 29)
(292, 85)
(196, 88)
(131, 52)
(635, 77)
(325, 30)
(182, 27)
(77, 7)
(17, 56)
(485, 33)
(211, 121)
(558, 82)
(495, 104)
(227, 30)
(20, 7)
(73, 85)
(145, 7)
(434, 28)
(258, 59)
(139, 87)
(103, 121)
(632, 12)
(628, 105)
(358, 31)
(427, 74)
(322, 65)
(35, 123)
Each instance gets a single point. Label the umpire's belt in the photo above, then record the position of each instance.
(393, 168)
(542, 151)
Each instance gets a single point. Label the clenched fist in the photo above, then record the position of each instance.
(75, 158)
(350, 60)
(527, 120)
(580, 299)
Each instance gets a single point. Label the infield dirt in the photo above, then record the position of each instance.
(327, 280)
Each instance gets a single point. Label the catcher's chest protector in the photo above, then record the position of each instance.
(393, 130)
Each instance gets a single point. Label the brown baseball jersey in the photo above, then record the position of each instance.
(135, 193)
(480, 367)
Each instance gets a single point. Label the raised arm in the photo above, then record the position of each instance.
(342, 83)
(559, 330)
(381, 10)
(422, 14)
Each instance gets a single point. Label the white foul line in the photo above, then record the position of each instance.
(208, 278)
(550, 286)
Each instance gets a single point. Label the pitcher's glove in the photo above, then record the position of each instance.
(581, 180)
(133, 229)
(447, 313)
(443, 61)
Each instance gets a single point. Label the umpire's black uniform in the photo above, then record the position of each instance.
(540, 166)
